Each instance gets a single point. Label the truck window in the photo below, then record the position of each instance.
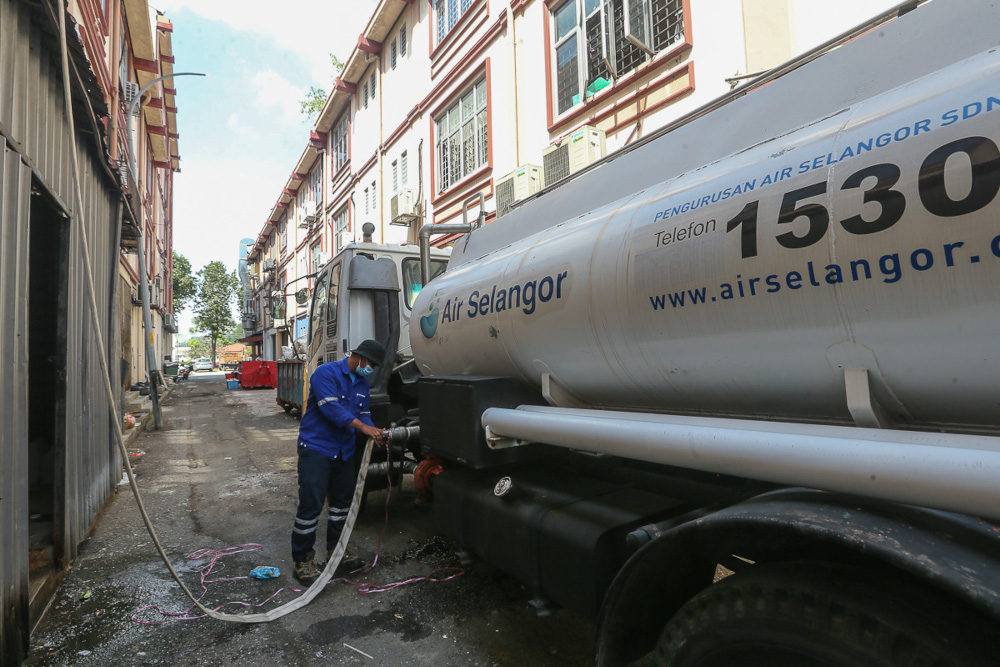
(412, 283)
(333, 300)
(318, 310)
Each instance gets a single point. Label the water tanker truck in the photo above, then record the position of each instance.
(733, 392)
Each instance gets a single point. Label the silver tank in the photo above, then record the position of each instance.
(867, 239)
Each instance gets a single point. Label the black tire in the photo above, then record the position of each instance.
(811, 614)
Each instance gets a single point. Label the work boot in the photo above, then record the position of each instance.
(350, 564)
(306, 572)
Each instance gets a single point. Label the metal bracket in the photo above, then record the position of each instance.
(864, 407)
(558, 396)
(494, 441)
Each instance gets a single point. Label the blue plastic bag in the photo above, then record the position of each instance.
(265, 572)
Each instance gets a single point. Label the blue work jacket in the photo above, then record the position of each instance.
(336, 398)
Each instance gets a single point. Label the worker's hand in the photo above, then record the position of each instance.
(373, 433)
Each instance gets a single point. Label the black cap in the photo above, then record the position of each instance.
(372, 350)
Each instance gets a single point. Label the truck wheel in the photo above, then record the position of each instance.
(822, 614)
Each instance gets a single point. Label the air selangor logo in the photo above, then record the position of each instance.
(526, 297)
(429, 322)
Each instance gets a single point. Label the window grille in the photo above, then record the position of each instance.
(402, 165)
(402, 40)
(340, 144)
(392, 55)
(595, 42)
(462, 137)
(364, 95)
(448, 13)
(371, 85)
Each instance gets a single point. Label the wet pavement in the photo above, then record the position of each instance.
(221, 474)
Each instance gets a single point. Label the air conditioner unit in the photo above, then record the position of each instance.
(154, 296)
(526, 180)
(320, 259)
(130, 91)
(269, 265)
(572, 153)
(402, 207)
(345, 239)
(306, 214)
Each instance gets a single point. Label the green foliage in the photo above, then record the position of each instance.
(313, 102)
(217, 291)
(183, 283)
(199, 348)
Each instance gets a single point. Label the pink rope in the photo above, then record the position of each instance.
(360, 587)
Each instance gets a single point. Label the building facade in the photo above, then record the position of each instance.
(69, 228)
(446, 103)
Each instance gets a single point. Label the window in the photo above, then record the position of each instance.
(364, 95)
(314, 258)
(281, 234)
(366, 201)
(374, 200)
(392, 55)
(461, 137)
(340, 223)
(395, 176)
(333, 300)
(597, 41)
(318, 313)
(371, 85)
(402, 163)
(316, 185)
(412, 282)
(448, 12)
(340, 144)
(402, 40)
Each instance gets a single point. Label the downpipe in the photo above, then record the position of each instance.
(956, 473)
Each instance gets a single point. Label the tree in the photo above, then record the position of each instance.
(314, 100)
(213, 306)
(183, 283)
(198, 348)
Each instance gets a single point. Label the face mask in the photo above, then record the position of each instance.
(365, 371)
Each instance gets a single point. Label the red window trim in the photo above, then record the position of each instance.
(456, 49)
(486, 187)
(459, 90)
(658, 63)
(436, 49)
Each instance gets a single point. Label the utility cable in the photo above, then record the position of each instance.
(116, 421)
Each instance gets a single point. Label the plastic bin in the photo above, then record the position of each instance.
(232, 384)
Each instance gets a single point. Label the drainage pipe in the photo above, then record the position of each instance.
(940, 470)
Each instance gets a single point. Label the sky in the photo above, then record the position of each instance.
(240, 129)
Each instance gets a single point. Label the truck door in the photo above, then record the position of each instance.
(323, 319)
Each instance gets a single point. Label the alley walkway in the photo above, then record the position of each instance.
(222, 473)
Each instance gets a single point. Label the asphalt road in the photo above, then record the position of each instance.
(221, 474)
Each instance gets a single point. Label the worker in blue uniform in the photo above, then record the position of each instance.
(336, 411)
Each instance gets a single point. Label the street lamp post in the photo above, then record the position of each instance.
(147, 322)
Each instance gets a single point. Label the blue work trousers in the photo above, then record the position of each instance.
(321, 479)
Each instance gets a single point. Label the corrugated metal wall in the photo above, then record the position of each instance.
(36, 154)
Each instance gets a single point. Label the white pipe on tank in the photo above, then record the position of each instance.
(939, 470)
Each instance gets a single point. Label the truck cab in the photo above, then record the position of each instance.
(367, 291)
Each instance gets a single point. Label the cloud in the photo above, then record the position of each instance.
(274, 90)
(309, 28)
(234, 124)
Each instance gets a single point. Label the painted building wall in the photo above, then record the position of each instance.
(510, 47)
